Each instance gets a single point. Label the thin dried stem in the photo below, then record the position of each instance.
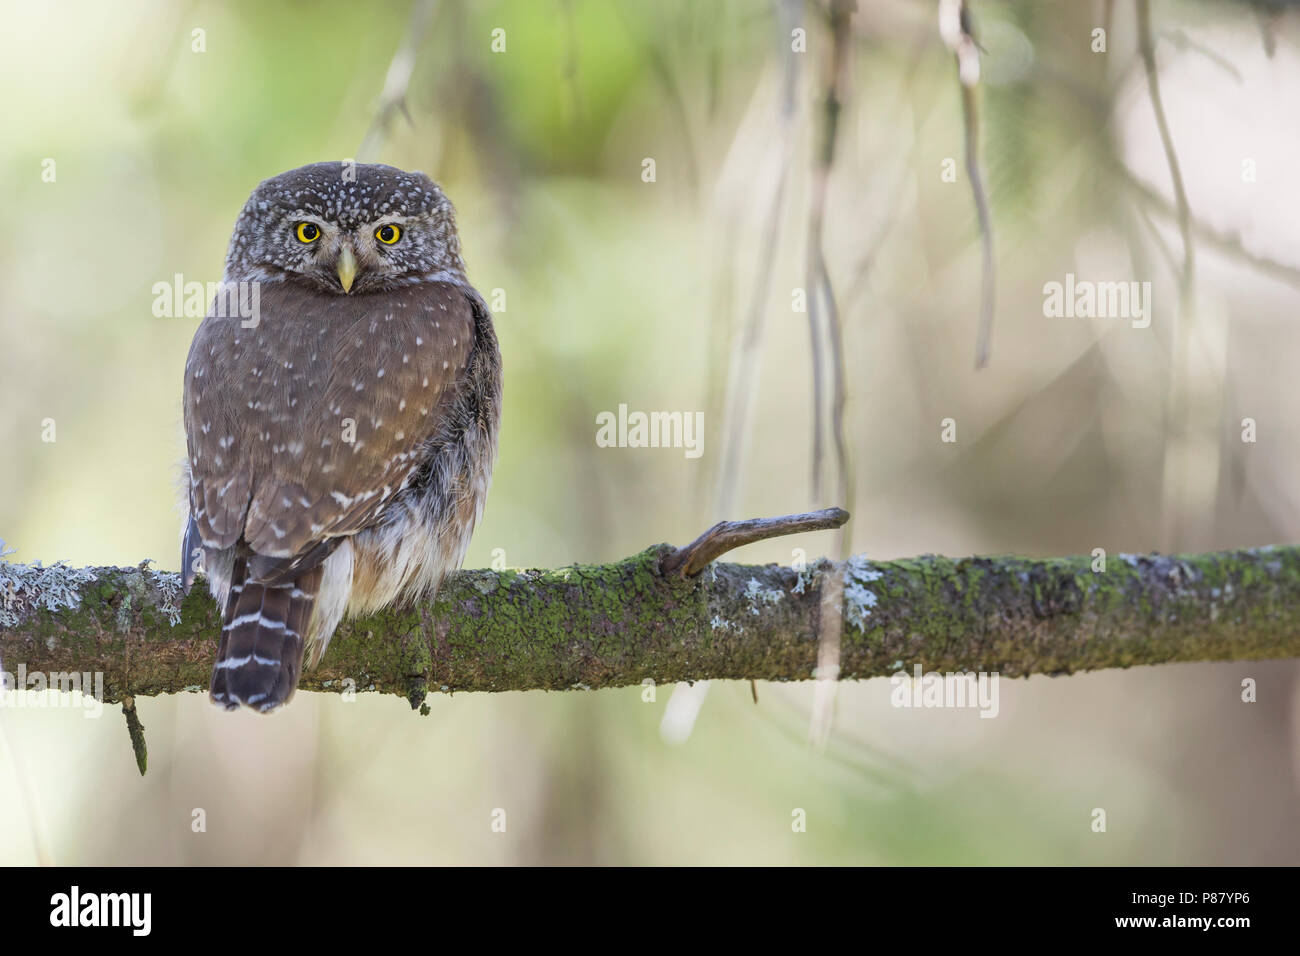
(1147, 46)
(819, 289)
(955, 28)
(397, 82)
(745, 367)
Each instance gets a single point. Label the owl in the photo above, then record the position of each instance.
(341, 433)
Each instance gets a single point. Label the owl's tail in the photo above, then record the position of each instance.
(262, 629)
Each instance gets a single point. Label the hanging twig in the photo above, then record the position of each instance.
(1147, 46)
(819, 288)
(135, 730)
(392, 99)
(744, 369)
(955, 29)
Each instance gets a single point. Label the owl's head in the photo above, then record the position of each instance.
(346, 228)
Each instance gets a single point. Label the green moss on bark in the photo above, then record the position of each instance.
(618, 624)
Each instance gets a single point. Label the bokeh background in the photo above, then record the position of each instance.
(1079, 434)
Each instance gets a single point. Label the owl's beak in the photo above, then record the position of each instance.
(347, 268)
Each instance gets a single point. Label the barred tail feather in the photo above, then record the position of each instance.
(260, 655)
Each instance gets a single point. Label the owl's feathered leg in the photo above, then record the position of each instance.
(331, 600)
(261, 650)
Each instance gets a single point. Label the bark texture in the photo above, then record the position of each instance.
(622, 623)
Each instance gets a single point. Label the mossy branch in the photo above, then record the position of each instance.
(633, 620)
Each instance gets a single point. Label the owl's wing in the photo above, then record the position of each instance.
(302, 429)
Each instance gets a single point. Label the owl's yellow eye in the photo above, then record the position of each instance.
(388, 234)
(307, 232)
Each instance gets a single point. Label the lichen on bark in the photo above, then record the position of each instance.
(592, 626)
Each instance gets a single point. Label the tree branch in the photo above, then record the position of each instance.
(631, 621)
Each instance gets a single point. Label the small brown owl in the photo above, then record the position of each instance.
(341, 434)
